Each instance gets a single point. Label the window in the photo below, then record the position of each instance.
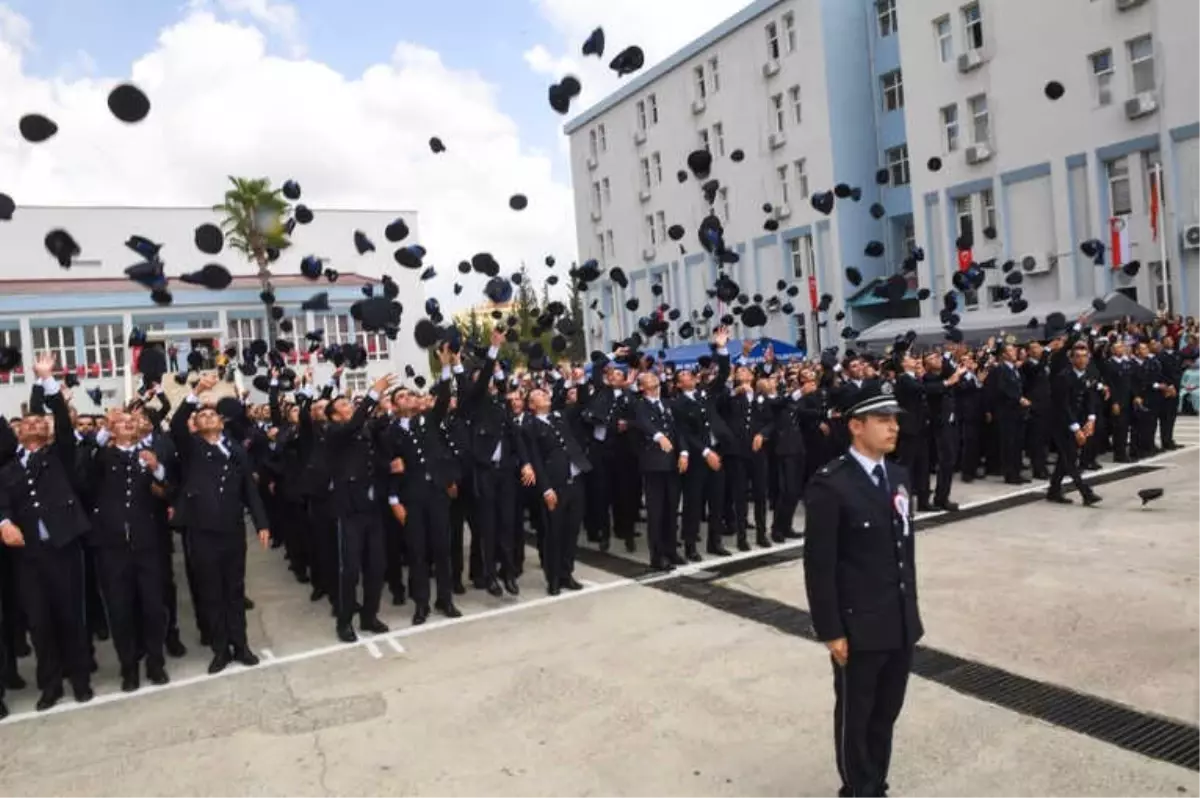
(1119, 194)
(987, 201)
(972, 26)
(704, 140)
(772, 41)
(104, 350)
(802, 257)
(893, 91)
(782, 172)
(801, 167)
(909, 236)
(1141, 61)
(966, 224)
(789, 31)
(12, 338)
(596, 196)
(887, 17)
(606, 189)
(714, 75)
(603, 139)
(897, 164)
(650, 229)
(641, 115)
(646, 173)
(336, 327)
(718, 132)
(944, 38)
(981, 129)
(660, 224)
(592, 143)
(376, 344)
(794, 99)
(652, 107)
(656, 167)
(701, 83)
(355, 382)
(723, 196)
(777, 110)
(949, 116)
(242, 332)
(996, 294)
(58, 341)
(1102, 72)
(608, 243)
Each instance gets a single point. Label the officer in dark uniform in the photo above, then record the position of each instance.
(860, 576)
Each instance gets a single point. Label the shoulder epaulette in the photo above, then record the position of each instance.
(833, 465)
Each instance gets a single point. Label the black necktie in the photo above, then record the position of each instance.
(881, 480)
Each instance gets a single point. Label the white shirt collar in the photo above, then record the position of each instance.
(867, 463)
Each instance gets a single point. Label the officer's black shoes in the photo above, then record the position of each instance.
(604, 545)
(220, 660)
(93, 666)
(792, 534)
(493, 588)
(1056, 497)
(175, 647)
(345, 633)
(301, 576)
(1090, 499)
(373, 625)
(945, 507)
(317, 594)
(511, 586)
(692, 555)
(245, 656)
(718, 550)
(13, 681)
(570, 583)
(743, 543)
(762, 541)
(675, 558)
(157, 675)
(102, 633)
(479, 583)
(553, 590)
(458, 588)
(247, 604)
(3, 710)
(83, 693)
(49, 697)
(129, 680)
(630, 545)
(448, 609)
(421, 615)
(661, 566)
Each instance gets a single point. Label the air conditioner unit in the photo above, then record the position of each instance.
(1191, 236)
(776, 140)
(639, 137)
(648, 253)
(1125, 5)
(595, 214)
(971, 60)
(698, 105)
(1032, 264)
(978, 153)
(771, 68)
(1141, 104)
(782, 211)
(591, 162)
(644, 195)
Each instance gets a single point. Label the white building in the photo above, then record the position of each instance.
(788, 83)
(85, 314)
(1047, 175)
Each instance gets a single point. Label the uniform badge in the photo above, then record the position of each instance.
(900, 504)
(886, 389)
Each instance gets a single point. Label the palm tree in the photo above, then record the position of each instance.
(252, 220)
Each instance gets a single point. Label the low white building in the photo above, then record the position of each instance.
(86, 313)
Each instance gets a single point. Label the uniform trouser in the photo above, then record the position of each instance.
(13, 623)
(193, 581)
(662, 501)
(322, 541)
(970, 448)
(1119, 427)
(700, 484)
(791, 484)
(528, 503)
(133, 582)
(361, 553)
(219, 577)
(946, 441)
(747, 477)
(625, 492)
(492, 525)
(562, 534)
(913, 454)
(397, 553)
(460, 509)
(1067, 464)
(869, 693)
(50, 583)
(291, 521)
(599, 494)
(1145, 420)
(1010, 430)
(1036, 440)
(1167, 412)
(427, 539)
(97, 618)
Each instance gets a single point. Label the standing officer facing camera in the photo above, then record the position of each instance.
(861, 580)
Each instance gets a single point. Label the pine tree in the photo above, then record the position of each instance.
(576, 344)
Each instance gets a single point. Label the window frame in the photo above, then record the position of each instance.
(1101, 79)
(789, 31)
(111, 351)
(699, 82)
(773, 49)
(973, 108)
(886, 19)
(891, 89)
(973, 39)
(796, 102)
(1135, 62)
(800, 167)
(943, 37)
(951, 128)
(778, 109)
(897, 160)
(1112, 178)
(781, 175)
(714, 74)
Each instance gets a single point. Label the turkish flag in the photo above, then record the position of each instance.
(964, 259)
(812, 291)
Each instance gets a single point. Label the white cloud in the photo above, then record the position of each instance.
(222, 105)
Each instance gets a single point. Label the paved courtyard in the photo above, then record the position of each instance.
(1061, 658)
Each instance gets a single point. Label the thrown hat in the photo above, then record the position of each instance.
(291, 190)
(7, 207)
(396, 231)
(436, 145)
(877, 211)
(1148, 495)
(700, 162)
(209, 239)
(617, 275)
(213, 276)
(873, 249)
(628, 61)
(853, 276)
(36, 128)
(362, 243)
(408, 258)
(303, 214)
(1054, 90)
(934, 164)
(498, 290)
(822, 201)
(128, 103)
(518, 202)
(62, 246)
(881, 176)
(318, 301)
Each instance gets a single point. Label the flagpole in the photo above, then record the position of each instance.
(1162, 234)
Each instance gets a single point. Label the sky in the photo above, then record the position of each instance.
(342, 95)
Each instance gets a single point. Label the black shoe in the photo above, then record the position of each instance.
(743, 543)
(762, 541)
(792, 534)
(458, 589)
(301, 576)
(1091, 499)
(449, 610)
(317, 594)
(247, 604)
(479, 584)
(3, 710)
(511, 586)
(717, 550)
(399, 597)
(84, 693)
(129, 680)
(630, 545)
(13, 681)
(102, 634)
(604, 545)
(373, 625)
(945, 507)
(1058, 498)
(345, 633)
(175, 647)
(205, 642)
(493, 588)
(49, 697)
(245, 656)
(157, 674)
(420, 615)
(571, 584)
(692, 555)
(1091, 467)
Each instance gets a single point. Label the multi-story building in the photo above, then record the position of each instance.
(792, 84)
(1028, 176)
(820, 92)
(85, 314)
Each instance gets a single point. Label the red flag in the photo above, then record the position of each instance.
(1154, 205)
(964, 259)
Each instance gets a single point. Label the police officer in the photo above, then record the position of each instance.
(861, 581)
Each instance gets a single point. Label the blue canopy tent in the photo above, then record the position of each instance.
(689, 355)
